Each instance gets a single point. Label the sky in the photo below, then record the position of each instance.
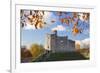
(32, 35)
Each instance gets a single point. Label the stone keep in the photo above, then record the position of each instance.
(56, 43)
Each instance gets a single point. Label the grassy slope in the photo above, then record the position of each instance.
(63, 56)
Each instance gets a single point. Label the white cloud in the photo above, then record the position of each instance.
(84, 43)
(81, 16)
(28, 26)
(59, 28)
(46, 16)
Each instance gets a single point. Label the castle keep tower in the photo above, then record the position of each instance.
(59, 43)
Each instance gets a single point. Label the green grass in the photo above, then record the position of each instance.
(61, 56)
(65, 56)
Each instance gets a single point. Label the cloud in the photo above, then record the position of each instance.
(46, 16)
(84, 43)
(59, 28)
(28, 26)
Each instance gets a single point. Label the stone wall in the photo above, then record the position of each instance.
(60, 44)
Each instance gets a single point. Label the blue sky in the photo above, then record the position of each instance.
(38, 35)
